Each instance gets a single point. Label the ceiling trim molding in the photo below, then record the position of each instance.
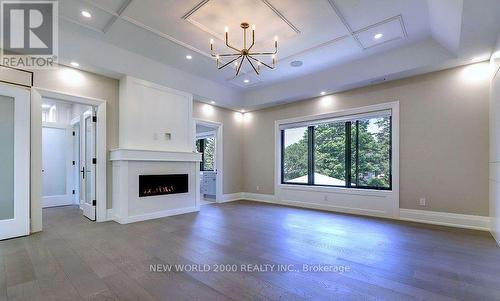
(397, 17)
(282, 17)
(81, 24)
(118, 14)
(194, 9)
(346, 24)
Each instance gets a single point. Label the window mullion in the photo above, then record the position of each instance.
(310, 161)
(357, 153)
(347, 150)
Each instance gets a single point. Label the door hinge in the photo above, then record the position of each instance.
(94, 202)
(73, 192)
(94, 161)
(74, 133)
(94, 118)
(74, 162)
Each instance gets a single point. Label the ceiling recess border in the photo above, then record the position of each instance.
(266, 2)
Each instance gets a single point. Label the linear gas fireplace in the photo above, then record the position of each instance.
(151, 185)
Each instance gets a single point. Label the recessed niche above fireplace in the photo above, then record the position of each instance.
(154, 185)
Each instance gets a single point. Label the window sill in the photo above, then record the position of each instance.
(338, 190)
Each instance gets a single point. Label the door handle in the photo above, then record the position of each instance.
(83, 172)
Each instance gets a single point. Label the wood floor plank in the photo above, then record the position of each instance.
(76, 259)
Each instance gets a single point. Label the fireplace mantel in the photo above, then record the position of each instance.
(157, 156)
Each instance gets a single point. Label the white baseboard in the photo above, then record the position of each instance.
(422, 216)
(154, 215)
(446, 219)
(258, 197)
(231, 197)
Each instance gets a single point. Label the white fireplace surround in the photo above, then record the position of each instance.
(128, 164)
(156, 137)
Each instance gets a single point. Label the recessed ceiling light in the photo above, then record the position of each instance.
(296, 63)
(246, 81)
(242, 111)
(75, 64)
(323, 93)
(189, 57)
(86, 14)
(212, 102)
(378, 36)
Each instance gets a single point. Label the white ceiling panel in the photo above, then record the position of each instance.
(71, 10)
(214, 16)
(390, 31)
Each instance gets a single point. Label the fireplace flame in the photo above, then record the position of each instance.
(159, 189)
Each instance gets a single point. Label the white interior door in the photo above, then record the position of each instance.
(57, 187)
(14, 161)
(89, 165)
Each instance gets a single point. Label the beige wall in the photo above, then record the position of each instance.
(232, 138)
(443, 137)
(81, 83)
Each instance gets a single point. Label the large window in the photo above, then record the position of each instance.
(345, 152)
(206, 147)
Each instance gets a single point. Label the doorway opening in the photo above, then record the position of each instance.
(68, 155)
(209, 144)
(89, 150)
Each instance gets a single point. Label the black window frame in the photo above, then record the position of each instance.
(348, 158)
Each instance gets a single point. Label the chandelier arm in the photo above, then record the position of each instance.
(259, 61)
(229, 62)
(239, 66)
(229, 54)
(253, 40)
(251, 64)
(264, 53)
(227, 44)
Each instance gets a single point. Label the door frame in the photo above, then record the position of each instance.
(219, 154)
(36, 151)
(21, 98)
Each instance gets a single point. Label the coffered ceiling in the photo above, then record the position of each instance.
(321, 34)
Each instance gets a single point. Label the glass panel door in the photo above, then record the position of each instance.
(6, 158)
(54, 161)
(14, 161)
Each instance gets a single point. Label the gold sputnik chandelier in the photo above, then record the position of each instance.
(240, 55)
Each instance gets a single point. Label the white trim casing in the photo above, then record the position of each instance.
(381, 203)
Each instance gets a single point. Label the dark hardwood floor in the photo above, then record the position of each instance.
(371, 259)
